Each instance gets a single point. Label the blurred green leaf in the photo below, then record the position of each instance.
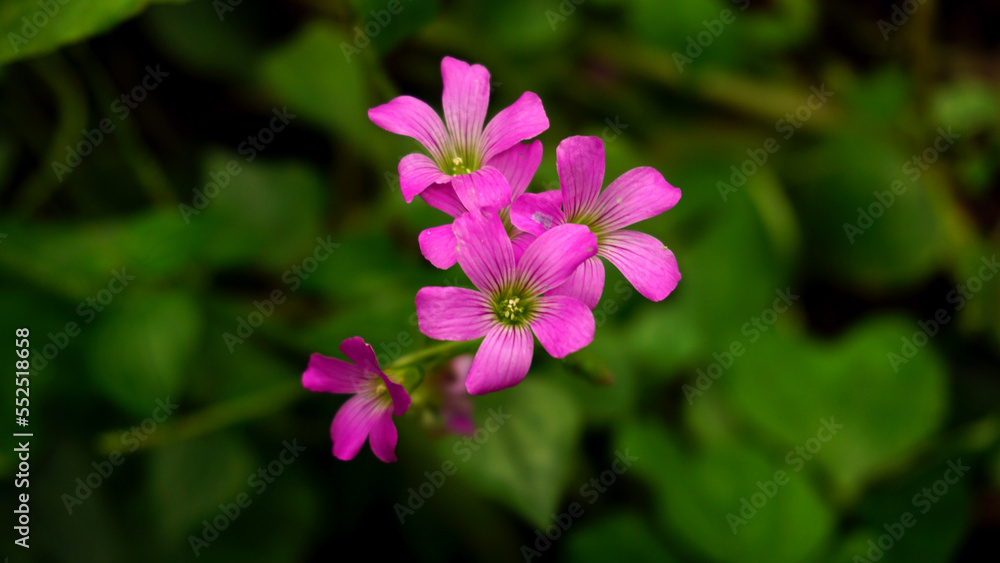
(267, 213)
(700, 499)
(526, 461)
(909, 521)
(31, 27)
(314, 76)
(190, 480)
(623, 537)
(386, 23)
(153, 336)
(788, 385)
(194, 35)
(79, 260)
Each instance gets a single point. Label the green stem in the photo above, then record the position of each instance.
(240, 409)
(445, 349)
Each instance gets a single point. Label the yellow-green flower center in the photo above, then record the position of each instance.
(513, 308)
(459, 167)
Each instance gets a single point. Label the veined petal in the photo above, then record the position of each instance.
(518, 164)
(537, 213)
(521, 241)
(465, 99)
(485, 188)
(361, 353)
(331, 375)
(443, 198)
(562, 324)
(580, 163)
(383, 438)
(519, 121)
(437, 244)
(550, 260)
(453, 313)
(585, 284)
(400, 398)
(353, 422)
(416, 172)
(502, 361)
(484, 251)
(638, 194)
(409, 116)
(644, 262)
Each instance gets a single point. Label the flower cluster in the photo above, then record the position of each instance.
(534, 259)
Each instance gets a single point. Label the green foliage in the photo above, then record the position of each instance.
(42, 27)
(247, 261)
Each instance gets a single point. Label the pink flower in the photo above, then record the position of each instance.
(366, 415)
(638, 194)
(518, 165)
(456, 405)
(462, 151)
(512, 300)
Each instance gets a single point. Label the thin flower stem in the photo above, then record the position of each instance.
(216, 417)
(435, 353)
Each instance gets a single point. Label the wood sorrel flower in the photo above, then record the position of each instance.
(638, 194)
(518, 165)
(366, 415)
(460, 152)
(512, 300)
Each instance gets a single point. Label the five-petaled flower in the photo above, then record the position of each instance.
(462, 151)
(534, 259)
(638, 194)
(366, 415)
(518, 165)
(513, 299)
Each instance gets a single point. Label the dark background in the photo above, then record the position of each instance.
(602, 67)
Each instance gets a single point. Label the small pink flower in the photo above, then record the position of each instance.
(366, 415)
(636, 195)
(461, 152)
(518, 165)
(512, 301)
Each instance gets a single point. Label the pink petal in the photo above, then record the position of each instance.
(485, 188)
(550, 260)
(400, 398)
(519, 121)
(521, 241)
(562, 324)
(518, 164)
(443, 197)
(361, 353)
(644, 261)
(466, 97)
(484, 251)
(453, 313)
(537, 213)
(416, 172)
(383, 438)
(353, 422)
(330, 375)
(456, 409)
(409, 116)
(638, 194)
(502, 361)
(580, 163)
(437, 244)
(585, 284)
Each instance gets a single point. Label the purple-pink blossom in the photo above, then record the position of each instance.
(461, 150)
(518, 165)
(366, 415)
(512, 300)
(636, 195)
